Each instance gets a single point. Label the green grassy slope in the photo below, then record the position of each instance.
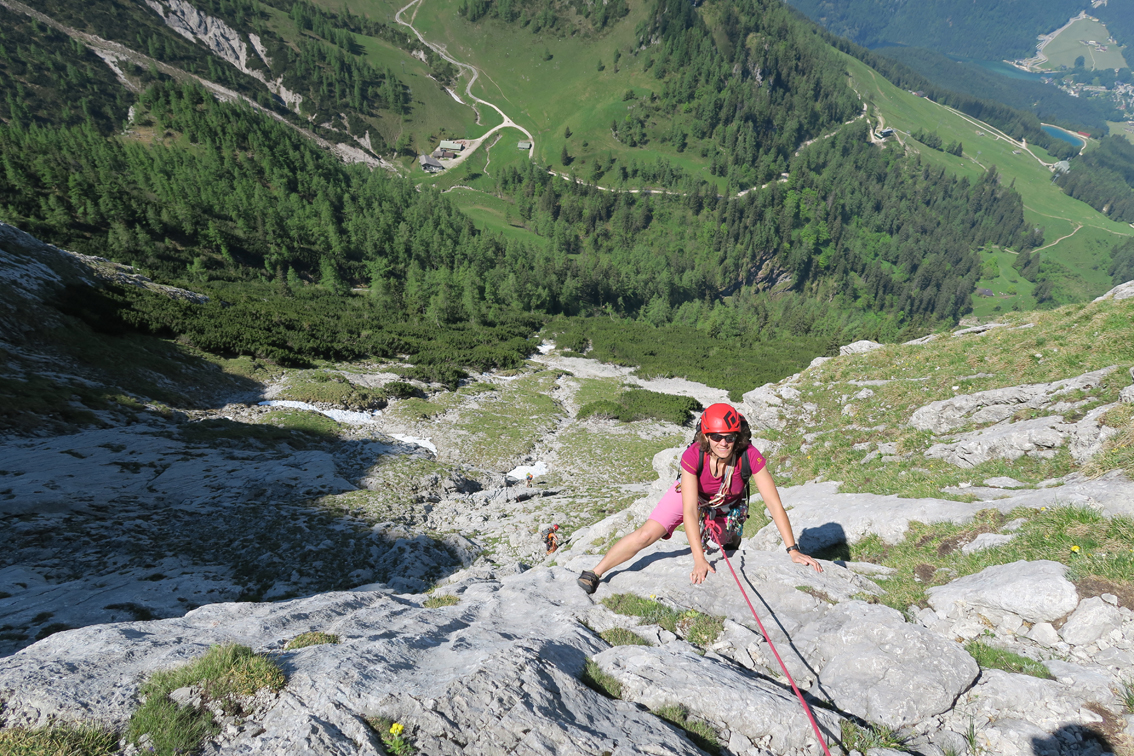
(546, 96)
(433, 113)
(1076, 237)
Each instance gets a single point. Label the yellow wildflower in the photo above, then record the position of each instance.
(1075, 549)
(396, 728)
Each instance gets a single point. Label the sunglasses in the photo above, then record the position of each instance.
(726, 437)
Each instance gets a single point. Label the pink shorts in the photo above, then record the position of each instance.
(670, 512)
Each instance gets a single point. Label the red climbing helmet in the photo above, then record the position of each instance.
(720, 418)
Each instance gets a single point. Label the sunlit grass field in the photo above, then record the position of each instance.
(1076, 236)
(1071, 43)
(547, 83)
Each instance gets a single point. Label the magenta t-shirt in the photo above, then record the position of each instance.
(710, 485)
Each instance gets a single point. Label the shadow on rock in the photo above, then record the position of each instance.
(131, 524)
(826, 541)
(1073, 740)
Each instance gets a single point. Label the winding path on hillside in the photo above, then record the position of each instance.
(474, 73)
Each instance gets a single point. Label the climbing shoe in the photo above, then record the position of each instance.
(588, 581)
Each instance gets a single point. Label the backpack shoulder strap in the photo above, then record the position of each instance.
(700, 465)
(745, 466)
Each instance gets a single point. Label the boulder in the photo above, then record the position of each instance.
(859, 347)
(1044, 704)
(1035, 591)
(1118, 293)
(1091, 620)
(1091, 683)
(999, 404)
(978, 329)
(1039, 437)
(1086, 437)
(875, 665)
(986, 541)
(1044, 633)
(762, 408)
(821, 516)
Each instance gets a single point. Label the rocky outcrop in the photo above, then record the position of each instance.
(32, 269)
(1000, 404)
(224, 42)
(859, 347)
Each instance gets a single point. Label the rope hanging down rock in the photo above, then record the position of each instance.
(715, 530)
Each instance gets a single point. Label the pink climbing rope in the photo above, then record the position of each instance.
(715, 531)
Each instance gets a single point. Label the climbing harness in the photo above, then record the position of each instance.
(550, 538)
(734, 514)
(717, 535)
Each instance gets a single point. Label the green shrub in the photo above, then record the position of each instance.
(313, 638)
(640, 404)
(644, 404)
(223, 674)
(603, 408)
(400, 390)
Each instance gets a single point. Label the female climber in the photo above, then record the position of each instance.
(714, 470)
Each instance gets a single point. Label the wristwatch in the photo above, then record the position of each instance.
(793, 548)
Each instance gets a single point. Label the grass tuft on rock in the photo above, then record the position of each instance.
(313, 638)
(990, 657)
(697, 731)
(225, 674)
(695, 627)
(65, 740)
(1126, 695)
(599, 681)
(620, 636)
(863, 737)
(441, 599)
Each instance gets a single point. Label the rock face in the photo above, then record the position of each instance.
(766, 713)
(500, 671)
